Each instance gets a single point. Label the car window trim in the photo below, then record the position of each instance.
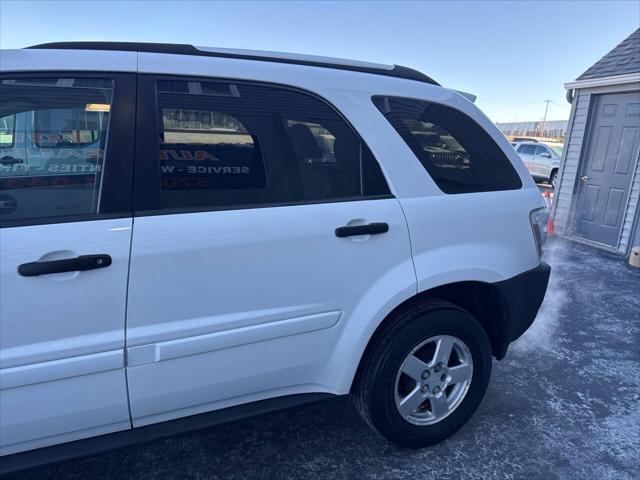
(255, 206)
(116, 185)
(36, 221)
(147, 190)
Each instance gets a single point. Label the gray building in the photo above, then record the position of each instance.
(550, 128)
(597, 196)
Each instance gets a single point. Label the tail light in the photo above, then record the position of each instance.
(539, 219)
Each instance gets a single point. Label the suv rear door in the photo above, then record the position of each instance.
(242, 279)
(65, 218)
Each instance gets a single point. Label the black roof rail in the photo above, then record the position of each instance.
(184, 49)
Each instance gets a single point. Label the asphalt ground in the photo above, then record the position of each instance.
(564, 404)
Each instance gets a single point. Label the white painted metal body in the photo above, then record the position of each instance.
(62, 336)
(227, 307)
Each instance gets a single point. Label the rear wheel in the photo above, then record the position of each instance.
(425, 375)
(553, 178)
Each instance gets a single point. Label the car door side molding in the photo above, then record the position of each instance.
(158, 352)
(60, 369)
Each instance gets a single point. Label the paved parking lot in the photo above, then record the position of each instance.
(564, 404)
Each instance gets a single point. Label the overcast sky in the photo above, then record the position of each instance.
(512, 55)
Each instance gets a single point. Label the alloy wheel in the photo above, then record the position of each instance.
(433, 380)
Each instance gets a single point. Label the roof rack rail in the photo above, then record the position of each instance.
(396, 71)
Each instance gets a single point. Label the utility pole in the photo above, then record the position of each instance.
(544, 120)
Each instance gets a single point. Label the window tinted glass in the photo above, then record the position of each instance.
(7, 126)
(540, 150)
(53, 133)
(458, 154)
(225, 145)
(68, 127)
(527, 149)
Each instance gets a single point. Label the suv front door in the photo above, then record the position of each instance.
(241, 284)
(65, 218)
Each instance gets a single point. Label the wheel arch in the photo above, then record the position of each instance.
(482, 300)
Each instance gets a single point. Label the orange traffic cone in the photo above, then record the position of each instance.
(551, 229)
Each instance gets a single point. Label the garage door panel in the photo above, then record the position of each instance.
(590, 202)
(601, 147)
(626, 149)
(633, 110)
(609, 110)
(614, 207)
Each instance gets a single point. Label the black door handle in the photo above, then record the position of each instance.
(78, 264)
(7, 160)
(369, 229)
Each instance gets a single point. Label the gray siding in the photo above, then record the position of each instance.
(636, 242)
(633, 211)
(571, 161)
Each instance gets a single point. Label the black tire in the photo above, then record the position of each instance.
(553, 178)
(374, 387)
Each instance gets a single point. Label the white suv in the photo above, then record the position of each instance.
(191, 235)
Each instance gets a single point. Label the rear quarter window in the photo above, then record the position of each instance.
(456, 152)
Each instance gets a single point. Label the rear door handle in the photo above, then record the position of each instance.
(7, 160)
(78, 264)
(369, 229)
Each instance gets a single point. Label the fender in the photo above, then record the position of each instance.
(371, 312)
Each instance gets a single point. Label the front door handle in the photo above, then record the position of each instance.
(78, 264)
(368, 229)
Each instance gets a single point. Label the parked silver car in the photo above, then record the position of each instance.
(542, 159)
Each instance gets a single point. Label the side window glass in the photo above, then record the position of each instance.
(456, 152)
(312, 141)
(202, 150)
(527, 149)
(224, 144)
(53, 134)
(7, 131)
(540, 150)
(67, 127)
